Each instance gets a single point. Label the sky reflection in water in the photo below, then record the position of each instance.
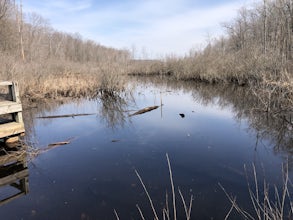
(94, 174)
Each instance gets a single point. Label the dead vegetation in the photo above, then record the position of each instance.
(169, 211)
(51, 64)
(144, 110)
(269, 202)
(256, 52)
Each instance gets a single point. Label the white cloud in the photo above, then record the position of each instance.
(161, 27)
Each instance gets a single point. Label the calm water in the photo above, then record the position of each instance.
(94, 174)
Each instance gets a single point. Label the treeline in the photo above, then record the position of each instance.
(258, 44)
(33, 52)
(39, 41)
(257, 51)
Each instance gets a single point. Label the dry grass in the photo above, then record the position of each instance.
(166, 215)
(54, 78)
(247, 56)
(264, 206)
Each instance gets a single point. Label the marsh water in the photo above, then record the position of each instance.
(209, 133)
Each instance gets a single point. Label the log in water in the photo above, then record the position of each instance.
(144, 110)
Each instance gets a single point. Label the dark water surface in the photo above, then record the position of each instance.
(94, 174)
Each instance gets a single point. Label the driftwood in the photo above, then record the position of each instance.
(36, 152)
(64, 116)
(144, 110)
(28, 152)
(58, 143)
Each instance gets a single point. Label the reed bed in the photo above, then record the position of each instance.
(54, 78)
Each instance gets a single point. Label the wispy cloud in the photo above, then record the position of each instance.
(161, 27)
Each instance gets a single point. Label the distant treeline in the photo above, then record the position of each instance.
(258, 44)
(257, 51)
(39, 41)
(49, 62)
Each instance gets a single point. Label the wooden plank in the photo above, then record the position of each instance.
(18, 117)
(6, 83)
(10, 129)
(14, 177)
(15, 92)
(13, 157)
(11, 198)
(7, 107)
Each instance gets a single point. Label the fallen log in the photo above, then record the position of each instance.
(58, 143)
(65, 116)
(51, 146)
(144, 110)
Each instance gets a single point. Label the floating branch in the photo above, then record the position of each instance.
(64, 116)
(59, 143)
(144, 110)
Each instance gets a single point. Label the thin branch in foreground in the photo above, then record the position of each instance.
(245, 214)
(187, 211)
(116, 214)
(166, 210)
(140, 212)
(172, 186)
(148, 195)
(231, 209)
(265, 207)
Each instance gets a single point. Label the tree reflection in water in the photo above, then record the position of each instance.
(275, 125)
(114, 109)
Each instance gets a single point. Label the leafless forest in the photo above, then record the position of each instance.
(50, 63)
(256, 52)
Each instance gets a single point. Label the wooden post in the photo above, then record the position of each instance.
(11, 130)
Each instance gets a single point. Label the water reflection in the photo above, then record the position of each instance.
(276, 125)
(13, 175)
(115, 108)
(220, 129)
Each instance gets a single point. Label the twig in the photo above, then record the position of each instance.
(245, 214)
(65, 116)
(148, 195)
(116, 214)
(172, 186)
(231, 209)
(187, 212)
(140, 212)
(167, 207)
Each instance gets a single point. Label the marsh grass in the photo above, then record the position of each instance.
(165, 212)
(53, 79)
(270, 203)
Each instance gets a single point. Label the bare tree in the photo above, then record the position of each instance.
(4, 6)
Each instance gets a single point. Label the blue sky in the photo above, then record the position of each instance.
(151, 28)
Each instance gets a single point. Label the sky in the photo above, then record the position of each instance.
(149, 28)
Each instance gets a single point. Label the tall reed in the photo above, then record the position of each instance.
(264, 206)
(166, 215)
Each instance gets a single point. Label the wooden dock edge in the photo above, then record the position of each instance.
(12, 130)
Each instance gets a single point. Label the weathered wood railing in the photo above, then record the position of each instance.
(12, 127)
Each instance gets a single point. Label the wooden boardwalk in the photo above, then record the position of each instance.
(13, 163)
(11, 121)
(13, 176)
